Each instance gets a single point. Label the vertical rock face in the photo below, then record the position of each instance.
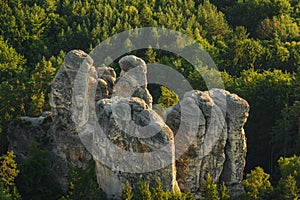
(67, 148)
(236, 147)
(131, 142)
(130, 125)
(220, 146)
(63, 85)
(206, 153)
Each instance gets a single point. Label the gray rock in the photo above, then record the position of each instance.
(108, 74)
(144, 94)
(63, 85)
(130, 62)
(206, 152)
(131, 126)
(102, 90)
(95, 116)
(220, 144)
(133, 79)
(67, 148)
(236, 146)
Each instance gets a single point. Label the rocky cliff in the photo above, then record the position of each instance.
(97, 115)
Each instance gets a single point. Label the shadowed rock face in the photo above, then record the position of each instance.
(122, 108)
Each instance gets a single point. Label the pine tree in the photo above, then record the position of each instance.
(287, 188)
(290, 166)
(224, 193)
(151, 54)
(12, 79)
(127, 192)
(158, 193)
(210, 189)
(143, 191)
(257, 184)
(4, 195)
(8, 173)
(168, 98)
(83, 184)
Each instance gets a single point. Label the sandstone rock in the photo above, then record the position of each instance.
(138, 131)
(220, 144)
(108, 75)
(206, 152)
(23, 131)
(102, 90)
(236, 147)
(144, 94)
(94, 115)
(68, 150)
(63, 84)
(130, 62)
(133, 79)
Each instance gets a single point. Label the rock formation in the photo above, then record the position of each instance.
(220, 147)
(201, 134)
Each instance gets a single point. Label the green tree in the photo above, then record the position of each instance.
(210, 189)
(143, 191)
(290, 166)
(40, 80)
(12, 86)
(267, 92)
(127, 192)
(223, 4)
(257, 184)
(151, 54)
(168, 98)
(285, 135)
(213, 21)
(83, 184)
(240, 53)
(250, 13)
(213, 78)
(35, 181)
(8, 174)
(287, 188)
(282, 26)
(158, 193)
(223, 191)
(4, 195)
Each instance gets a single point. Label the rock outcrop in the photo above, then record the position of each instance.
(220, 145)
(139, 131)
(96, 115)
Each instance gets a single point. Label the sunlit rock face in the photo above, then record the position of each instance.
(220, 145)
(97, 115)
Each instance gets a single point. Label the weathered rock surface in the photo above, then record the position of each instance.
(67, 148)
(131, 126)
(203, 133)
(108, 76)
(133, 79)
(220, 144)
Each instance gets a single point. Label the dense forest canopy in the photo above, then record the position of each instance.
(254, 43)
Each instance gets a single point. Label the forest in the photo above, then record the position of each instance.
(254, 43)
